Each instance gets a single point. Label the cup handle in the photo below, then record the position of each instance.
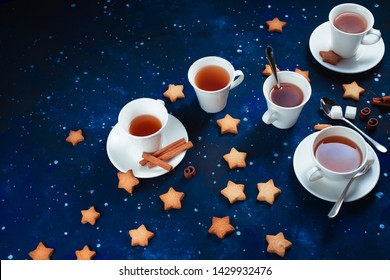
(369, 40)
(239, 77)
(314, 174)
(270, 116)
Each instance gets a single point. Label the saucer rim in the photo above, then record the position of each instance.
(143, 171)
(375, 174)
(345, 70)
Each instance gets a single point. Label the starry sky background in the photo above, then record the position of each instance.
(74, 64)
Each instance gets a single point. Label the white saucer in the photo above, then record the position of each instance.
(121, 154)
(328, 189)
(366, 57)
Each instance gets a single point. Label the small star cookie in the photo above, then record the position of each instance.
(228, 124)
(330, 57)
(234, 192)
(89, 216)
(75, 137)
(277, 244)
(127, 181)
(235, 158)
(41, 252)
(140, 236)
(352, 91)
(275, 25)
(174, 92)
(85, 253)
(172, 199)
(305, 74)
(267, 192)
(221, 227)
(268, 71)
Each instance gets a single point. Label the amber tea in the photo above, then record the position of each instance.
(212, 78)
(144, 125)
(288, 95)
(350, 23)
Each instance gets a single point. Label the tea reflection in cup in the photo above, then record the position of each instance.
(143, 121)
(338, 153)
(350, 26)
(284, 105)
(212, 78)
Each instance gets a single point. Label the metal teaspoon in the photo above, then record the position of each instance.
(271, 59)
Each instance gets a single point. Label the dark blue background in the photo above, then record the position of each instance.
(73, 64)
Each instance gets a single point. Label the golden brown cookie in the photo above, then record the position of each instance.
(268, 71)
(352, 91)
(41, 252)
(321, 126)
(85, 253)
(127, 181)
(303, 73)
(234, 192)
(267, 191)
(75, 137)
(172, 199)
(277, 244)
(275, 25)
(228, 124)
(221, 227)
(89, 216)
(330, 57)
(174, 92)
(140, 236)
(235, 159)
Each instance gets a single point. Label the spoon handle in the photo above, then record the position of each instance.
(271, 59)
(378, 146)
(336, 207)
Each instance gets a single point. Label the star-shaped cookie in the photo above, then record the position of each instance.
(268, 71)
(235, 159)
(75, 137)
(89, 216)
(303, 73)
(127, 181)
(140, 236)
(221, 227)
(85, 253)
(41, 252)
(352, 91)
(275, 25)
(330, 57)
(277, 244)
(174, 92)
(172, 199)
(234, 192)
(228, 124)
(267, 191)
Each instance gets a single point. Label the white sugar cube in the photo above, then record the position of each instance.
(350, 112)
(336, 113)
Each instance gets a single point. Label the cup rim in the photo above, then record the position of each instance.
(369, 26)
(191, 79)
(297, 75)
(364, 157)
(163, 124)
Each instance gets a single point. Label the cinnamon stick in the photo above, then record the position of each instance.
(156, 161)
(381, 101)
(164, 150)
(172, 153)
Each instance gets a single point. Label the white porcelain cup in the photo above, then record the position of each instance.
(214, 101)
(346, 44)
(284, 117)
(319, 171)
(143, 106)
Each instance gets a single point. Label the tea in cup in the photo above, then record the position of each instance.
(212, 78)
(338, 153)
(143, 121)
(285, 103)
(350, 26)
